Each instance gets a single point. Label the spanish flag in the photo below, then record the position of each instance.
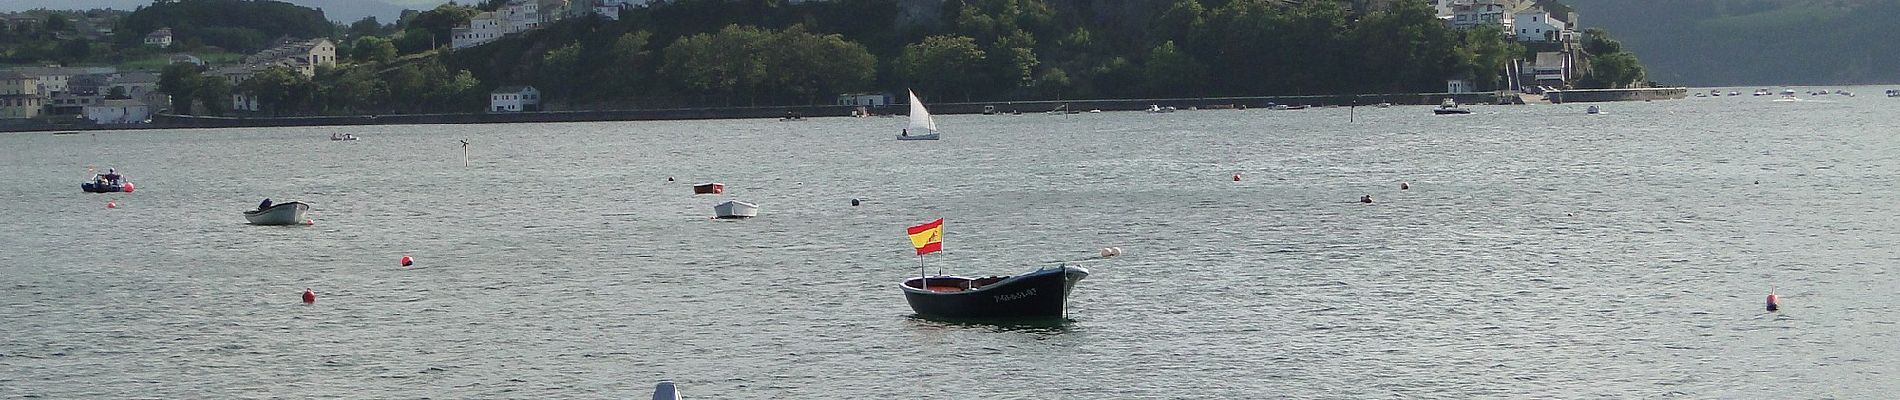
(927, 238)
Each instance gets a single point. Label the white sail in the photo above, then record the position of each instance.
(920, 121)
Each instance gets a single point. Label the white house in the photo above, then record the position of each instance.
(864, 99)
(119, 111)
(514, 99)
(1472, 13)
(1536, 25)
(516, 16)
(160, 38)
(611, 8)
(1459, 86)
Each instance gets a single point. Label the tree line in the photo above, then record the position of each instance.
(771, 52)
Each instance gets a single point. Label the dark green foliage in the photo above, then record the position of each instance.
(235, 25)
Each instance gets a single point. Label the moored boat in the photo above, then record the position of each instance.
(1042, 293)
(735, 210)
(288, 213)
(709, 188)
(108, 182)
(1593, 110)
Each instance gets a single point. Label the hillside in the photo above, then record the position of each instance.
(1755, 42)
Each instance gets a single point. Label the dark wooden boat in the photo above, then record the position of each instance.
(1042, 293)
(709, 188)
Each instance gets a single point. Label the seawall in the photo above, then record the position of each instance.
(1602, 95)
(169, 121)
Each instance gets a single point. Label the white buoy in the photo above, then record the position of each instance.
(1111, 251)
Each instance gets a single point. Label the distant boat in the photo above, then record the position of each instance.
(735, 210)
(1042, 293)
(290, 213)
(342, 136)
(1893, 92)
(1762, 92)
(1158, 109)
(106, 184)
(1734, 93)
(920, 121)
(1593, 110)
(709, 188)
(1450, 107)
(666, 391)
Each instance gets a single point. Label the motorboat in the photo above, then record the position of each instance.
(1734, 93)
(666, 390)
(342, 136)
(709, 188)
(1450, 107)
(1593, 110)
(109, 182)
(920, 121)
(288, 213)
(1042, 293)
(735, 210)
(1762, 92)
(1158, 109)
(1893, 92)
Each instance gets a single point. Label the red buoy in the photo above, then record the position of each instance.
(1774, 302)
(112, 205)
(406, 261)
(1236, 177)
(309, 296)
(307, 221)
(128, 187)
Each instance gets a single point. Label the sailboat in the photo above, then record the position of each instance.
(922, 127)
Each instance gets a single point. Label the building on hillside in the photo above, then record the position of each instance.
(119, 111)
(864, 99)
(159, 38)
(71, 104)
(302, 55)
(515, 16)
(514, 99)
(1537, 25)
(1473, 13)
(19, 96)
(187, 59)
(141, 86)
(611, 9)
(1551, 69)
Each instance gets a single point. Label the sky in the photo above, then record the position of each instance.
(337, 10)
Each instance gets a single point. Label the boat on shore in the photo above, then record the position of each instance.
(734, 209)
(920, 121)
(1042, 293)
(288, 213)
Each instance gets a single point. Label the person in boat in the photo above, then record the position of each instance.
(264, 205)
(111, 176)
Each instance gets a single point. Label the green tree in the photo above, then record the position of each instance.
(181, 82)
(215, 94)
(366, 27)
(1170, 72)
(810, 66)
(373, 49)
(278, 89)
(942, 65)
(729, 62)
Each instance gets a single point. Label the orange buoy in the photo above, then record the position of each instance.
(1774, 302)
(309, 296)
(406, 261)
(112, 205)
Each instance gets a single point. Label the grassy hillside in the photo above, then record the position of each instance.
(1755, 42)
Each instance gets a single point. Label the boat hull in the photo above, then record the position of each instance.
(94, 187)
(1451, 111)
(709, 188)
(735, 210)
(932, 136)
(1040, 294)
(290, 213)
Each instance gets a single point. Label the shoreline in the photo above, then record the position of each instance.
(170, 121)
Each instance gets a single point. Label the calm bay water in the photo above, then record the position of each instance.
(1540, 252)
